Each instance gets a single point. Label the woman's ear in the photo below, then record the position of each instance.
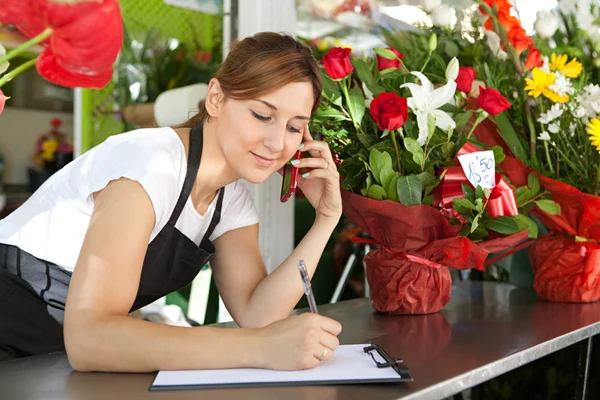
(214, 98)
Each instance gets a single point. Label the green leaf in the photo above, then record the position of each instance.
(479, 206)
(392, 190)
(331, 89)
(409, 190)
(499, 155)
(447, 148)
(479, 192)
(428, 200)
(363, 70)
(534, 184)
(376, 192)
(548, 206)
(523, 194)
(462, 118)
(385, 53)
(430, 126)
(356, 104)
(512, 139)
(479, 233)
(416, 150)
(426, 178)
(451, 108)
(525, 222)
(475, 223)
(463, 203)
(429, 188)
(330, 113)
(386, 175)
(468, 191)
(376, 163)
(451, 49)
(504, 225)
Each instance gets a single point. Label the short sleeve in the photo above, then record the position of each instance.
(238, 209)
(149, 159)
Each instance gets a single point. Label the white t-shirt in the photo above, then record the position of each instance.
(52, 223)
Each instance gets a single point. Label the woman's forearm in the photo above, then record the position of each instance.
(277, 295)
(126, 344)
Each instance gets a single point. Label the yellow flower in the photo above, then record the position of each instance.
(540, 85)
(594, 132)
(322, 45)
(48, 149)
(572, 69)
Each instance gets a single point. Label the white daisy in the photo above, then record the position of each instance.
(544, 136)
(554, 127)
(562, 85)
(553, 113)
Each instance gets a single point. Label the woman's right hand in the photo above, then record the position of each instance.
(298, 342)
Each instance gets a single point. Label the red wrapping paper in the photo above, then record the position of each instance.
(408, 273)
(565, 270)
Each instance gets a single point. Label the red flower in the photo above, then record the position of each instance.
(505, 19)
(3, 99)
(384, 63)
(519, 39)
(84, 42)
(389, 111)
(492, 101)
(464, 81)
(337, 63)
(500, 4)
(533, 59)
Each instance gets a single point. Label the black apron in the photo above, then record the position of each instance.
(33, 292)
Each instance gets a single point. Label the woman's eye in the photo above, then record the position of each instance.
(260, 117)
(292, 129)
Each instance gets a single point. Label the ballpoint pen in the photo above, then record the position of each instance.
(307, 287)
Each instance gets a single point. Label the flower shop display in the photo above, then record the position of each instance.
(411, 176)
(77, 53)
(555, 133)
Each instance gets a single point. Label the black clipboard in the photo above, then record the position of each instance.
(401, 374)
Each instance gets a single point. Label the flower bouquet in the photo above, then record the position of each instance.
(77, 53)
(555, 133)
(410, 176)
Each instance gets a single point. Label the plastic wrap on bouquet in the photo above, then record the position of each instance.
(408, 273)
(566, 264)
(566, 270)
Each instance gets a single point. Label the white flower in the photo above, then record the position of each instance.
(426, 100)
(589, 100)
(443, 16)
(546, 66)
(4, 65)
(562, 85)
(554, 127)
(544, 136)
(572, 128)
(579, 112)
(430, 5)
(452, 70)
(553, 113)
(585, 19)
(546, 23)
(493, 42)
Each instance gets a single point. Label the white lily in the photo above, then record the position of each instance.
(426, 100)
(452, 69)
(4, 65)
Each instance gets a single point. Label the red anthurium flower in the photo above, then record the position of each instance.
(464, 81)
(389, 111)
(492, 101)
(337, 63)
(534, 58)
(84, 37)
(3, 99)
(384, 63)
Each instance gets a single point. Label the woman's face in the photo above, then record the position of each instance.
(259, 136)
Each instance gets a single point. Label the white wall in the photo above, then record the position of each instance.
(19, 130)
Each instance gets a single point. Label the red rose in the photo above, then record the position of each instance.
(77, 53)
(534, 58)
(389, 111)
(384, 63)
(492, 101)
(464, 81)
(337, 63)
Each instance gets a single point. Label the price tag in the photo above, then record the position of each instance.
(480, 168)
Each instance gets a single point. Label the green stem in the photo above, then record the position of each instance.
(597, 184)
(532, 133)
(426, 61)
(548, 159)
(480, 117)
(22, 48)
(393, 134)
(17, 71)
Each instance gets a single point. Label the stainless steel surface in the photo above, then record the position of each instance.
(485, 330)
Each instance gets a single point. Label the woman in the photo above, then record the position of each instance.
(138, 216)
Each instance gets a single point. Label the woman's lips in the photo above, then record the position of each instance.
(265, 162)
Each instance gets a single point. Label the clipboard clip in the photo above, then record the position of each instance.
(389, 361)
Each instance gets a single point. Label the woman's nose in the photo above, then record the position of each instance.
(275, 140)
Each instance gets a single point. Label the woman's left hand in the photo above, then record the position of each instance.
(321, 184)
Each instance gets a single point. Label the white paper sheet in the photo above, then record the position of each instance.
(349, 363)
